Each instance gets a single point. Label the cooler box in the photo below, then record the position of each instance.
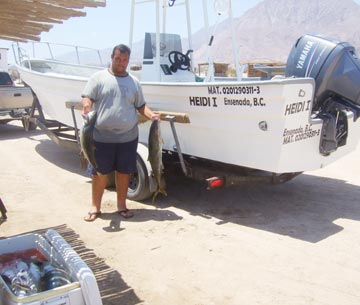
(82, 288)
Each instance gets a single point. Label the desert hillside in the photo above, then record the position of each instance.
(269, 29)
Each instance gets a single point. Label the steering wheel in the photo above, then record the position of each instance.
(179, 60)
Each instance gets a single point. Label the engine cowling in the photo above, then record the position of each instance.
(335, 67)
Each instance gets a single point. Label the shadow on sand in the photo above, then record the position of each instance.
(305, 208)
(142, 215)
(14, 130)
(61, 157)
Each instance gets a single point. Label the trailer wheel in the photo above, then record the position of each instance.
(139, 183)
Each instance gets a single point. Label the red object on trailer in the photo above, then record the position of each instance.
(215, 182)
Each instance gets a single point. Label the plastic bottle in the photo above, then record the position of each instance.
(34, 272)
(55, 277)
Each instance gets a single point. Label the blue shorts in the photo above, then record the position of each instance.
(120, 157)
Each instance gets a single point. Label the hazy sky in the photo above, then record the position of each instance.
(105, 27)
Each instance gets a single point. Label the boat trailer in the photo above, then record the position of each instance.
(215, 174)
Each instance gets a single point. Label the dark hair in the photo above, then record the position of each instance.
(122, 49)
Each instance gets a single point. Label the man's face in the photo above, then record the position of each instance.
(119, 62)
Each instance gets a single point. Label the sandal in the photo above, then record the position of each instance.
(91, 216)
(126, 213)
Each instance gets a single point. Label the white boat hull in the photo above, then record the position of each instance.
(231, 133)
(263, 125)
(53, 91)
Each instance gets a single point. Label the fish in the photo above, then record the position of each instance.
(86, 139)
(155, 142)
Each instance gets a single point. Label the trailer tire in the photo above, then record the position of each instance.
(139, 186)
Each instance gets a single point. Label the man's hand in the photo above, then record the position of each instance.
(155, 117)
(86, 106)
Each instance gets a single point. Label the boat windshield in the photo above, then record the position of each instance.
(168, 43)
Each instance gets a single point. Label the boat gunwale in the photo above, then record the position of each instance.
(232, 82)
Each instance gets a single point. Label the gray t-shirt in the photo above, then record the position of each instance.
(115, 101)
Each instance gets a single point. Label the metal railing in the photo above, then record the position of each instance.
(46, 50)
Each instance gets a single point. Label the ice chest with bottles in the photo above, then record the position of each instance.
(53, 275)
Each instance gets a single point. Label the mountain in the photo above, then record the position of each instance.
(269, 30)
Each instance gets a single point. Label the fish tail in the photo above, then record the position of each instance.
(154, 196)
(162, 191)
(159, 190)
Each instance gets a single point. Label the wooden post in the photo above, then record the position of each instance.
(2, 210)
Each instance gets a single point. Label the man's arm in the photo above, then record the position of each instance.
(148, 113)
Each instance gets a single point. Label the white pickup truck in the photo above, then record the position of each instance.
(15, 100)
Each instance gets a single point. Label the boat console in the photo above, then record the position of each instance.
(174, 65)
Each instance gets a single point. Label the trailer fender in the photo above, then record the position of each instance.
(143, 153)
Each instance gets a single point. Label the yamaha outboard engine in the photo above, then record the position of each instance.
(336, 69)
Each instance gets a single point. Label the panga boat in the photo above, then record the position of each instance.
(300, 121)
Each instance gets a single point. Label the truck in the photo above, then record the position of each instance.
(15, 101)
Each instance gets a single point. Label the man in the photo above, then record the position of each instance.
(116, 96)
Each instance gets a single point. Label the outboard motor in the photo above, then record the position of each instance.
(335, 67)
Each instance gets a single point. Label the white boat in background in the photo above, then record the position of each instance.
(55, 82)
(298, 122)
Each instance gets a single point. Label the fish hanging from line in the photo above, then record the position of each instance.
(155, 158)
(86, 139)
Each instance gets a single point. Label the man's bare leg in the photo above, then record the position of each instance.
(98, 186)
(122, 184)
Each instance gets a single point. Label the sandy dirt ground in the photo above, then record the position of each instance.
(297, 243)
